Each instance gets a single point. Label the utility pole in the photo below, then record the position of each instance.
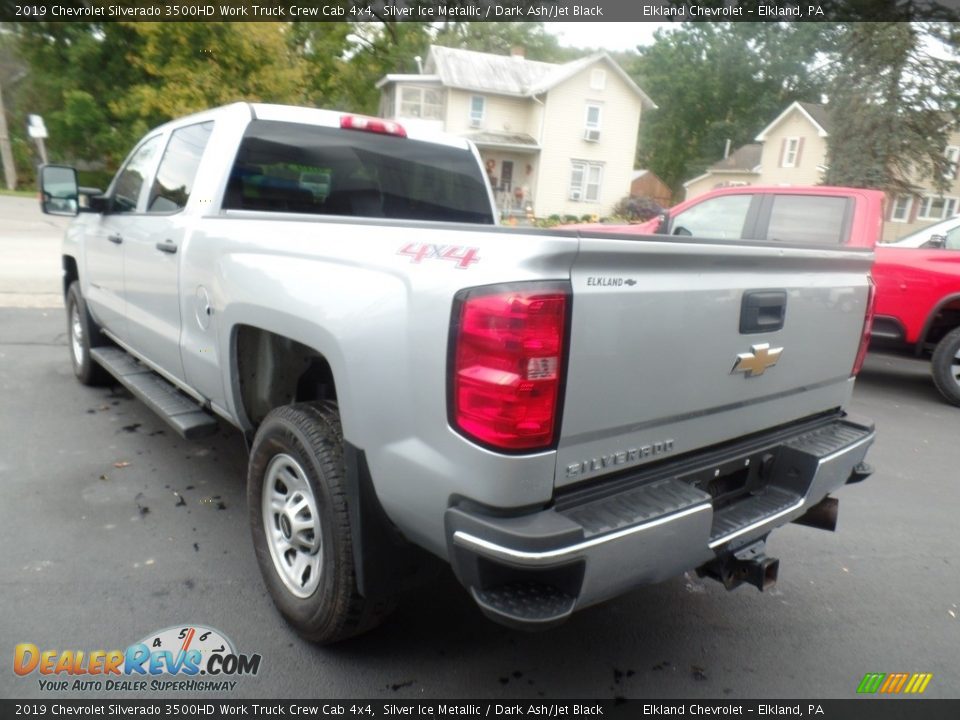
(6, 151)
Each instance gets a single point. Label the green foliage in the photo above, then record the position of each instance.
(899, 102)
(717, 81)
(372, 51)
(637, 209)
(81, 127)
(188, 67)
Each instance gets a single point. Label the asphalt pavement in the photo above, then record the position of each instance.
(113, 528)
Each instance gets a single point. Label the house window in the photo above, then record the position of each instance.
(936, 208)
(901, 208)
(791, 152)
(591, 131)
(477, 107)
(598, 79)
(421, 103)
(953, 157)
(585, 180)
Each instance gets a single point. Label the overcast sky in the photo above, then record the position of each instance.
(607, 36)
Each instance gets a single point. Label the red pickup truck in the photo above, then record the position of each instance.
(820, 215)
(918, 300)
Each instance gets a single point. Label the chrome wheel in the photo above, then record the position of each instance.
(76, 335)
(291, 523)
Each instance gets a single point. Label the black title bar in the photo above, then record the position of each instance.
(858, 709)
(475, 10)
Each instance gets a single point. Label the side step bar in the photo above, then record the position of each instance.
(180, 412)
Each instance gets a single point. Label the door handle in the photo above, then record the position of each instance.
(115, 239)
(762, 311)
(167, 246)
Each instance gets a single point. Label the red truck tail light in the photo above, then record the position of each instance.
(507, 362)
(867, 327)
(371, 124)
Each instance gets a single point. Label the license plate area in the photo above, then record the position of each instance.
(733, 480)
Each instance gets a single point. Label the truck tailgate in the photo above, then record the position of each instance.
(656, 331)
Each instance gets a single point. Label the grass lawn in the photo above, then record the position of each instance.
(19, 193)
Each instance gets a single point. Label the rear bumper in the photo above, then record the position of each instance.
(596, 543)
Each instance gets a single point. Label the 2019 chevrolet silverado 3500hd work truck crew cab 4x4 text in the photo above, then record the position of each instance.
(560, 416)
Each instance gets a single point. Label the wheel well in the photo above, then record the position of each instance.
(70, 273)
(273, 370)
(944, 319)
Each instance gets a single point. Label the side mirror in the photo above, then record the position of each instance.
(59, 192)
(936, 241)
(93, 200)
(664, 227)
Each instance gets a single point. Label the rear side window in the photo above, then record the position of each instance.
(178, 168)
(808, 219)
(291, 167)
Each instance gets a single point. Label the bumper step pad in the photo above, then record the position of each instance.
(525, 604)
(737, 518)
(635, 507)
(179, 411)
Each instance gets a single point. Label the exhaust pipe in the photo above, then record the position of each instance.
(823, 515)
(749, 565)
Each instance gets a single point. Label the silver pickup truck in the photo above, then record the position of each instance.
(560, 416)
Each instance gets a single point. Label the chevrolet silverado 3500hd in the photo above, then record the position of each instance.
(561, 416)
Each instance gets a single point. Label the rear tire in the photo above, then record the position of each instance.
(945, 366)
(83, 334)
(297, 500)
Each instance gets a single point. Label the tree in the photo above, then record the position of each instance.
(898, 85)
(189, 67)
(62, 60)
(715, 82)
(11, 70)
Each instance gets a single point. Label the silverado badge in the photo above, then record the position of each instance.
(757, 360)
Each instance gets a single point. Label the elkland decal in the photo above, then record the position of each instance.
(173, 659)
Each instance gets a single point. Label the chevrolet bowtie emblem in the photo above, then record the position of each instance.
(757, 360)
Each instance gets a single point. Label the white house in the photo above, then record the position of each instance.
(555, 138)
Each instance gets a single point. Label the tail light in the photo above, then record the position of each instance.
(867, 327)
(371, 124)
(507, 357)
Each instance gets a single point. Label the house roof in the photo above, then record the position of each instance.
(744, 159)
(818, 115)
(469, 70)
(431, 79)
(643, 172)
(511, 74)
(519, 141)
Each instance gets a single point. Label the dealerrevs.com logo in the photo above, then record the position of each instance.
(180, 658)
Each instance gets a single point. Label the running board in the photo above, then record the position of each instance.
(180, 412)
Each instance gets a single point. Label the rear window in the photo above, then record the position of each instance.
(291, 167)
(808, 219)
